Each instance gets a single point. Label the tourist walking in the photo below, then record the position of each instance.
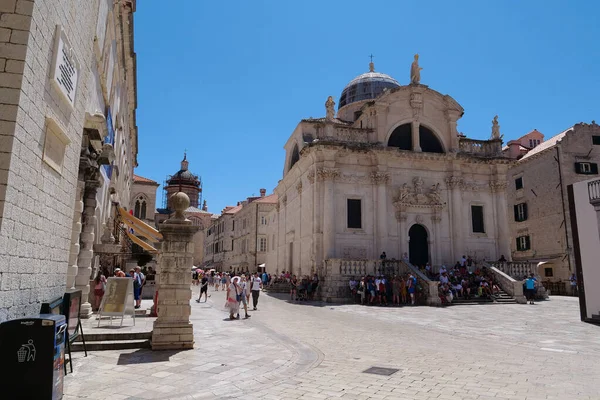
(411, 286)
(256, 285)
(530, 289)
(573, 280)
(203, 289)
(233, 298)
(245, 297)
(99, 289)
(137, 288)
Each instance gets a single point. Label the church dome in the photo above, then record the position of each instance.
(183, 176)
(366, 86)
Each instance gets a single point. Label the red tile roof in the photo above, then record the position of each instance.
(272, 198)
(141, 179)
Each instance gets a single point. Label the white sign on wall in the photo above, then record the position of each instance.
(65, 67)
(55, 145)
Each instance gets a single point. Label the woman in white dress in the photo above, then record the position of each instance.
(234, 295)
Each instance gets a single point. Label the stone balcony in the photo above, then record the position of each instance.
(483, 148)
(594, 193)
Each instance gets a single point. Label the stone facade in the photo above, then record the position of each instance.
(543, 175)
(143, 199)
(396, 178)
(56, 87)
(238, 240)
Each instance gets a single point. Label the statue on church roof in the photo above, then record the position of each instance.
(330, 108)
(496, 129)
(415, 71)
(204, 206)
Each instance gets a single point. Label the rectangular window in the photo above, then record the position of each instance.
(586, 168)
(231, 244)
(519, 183)
(354, 214)
(531, 143)
(233, 225)
(548, 272)
(521, 212)
(596, 140)
(477, 219)
(523, 243)
(262, 245)
(263, 220)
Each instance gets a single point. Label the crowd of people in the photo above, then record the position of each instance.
(383, 290)
(239, 289)
(139, 280)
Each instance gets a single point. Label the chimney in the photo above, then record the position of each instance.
(514, 149)
(263, 192)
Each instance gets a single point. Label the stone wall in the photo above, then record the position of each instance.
(36, 200)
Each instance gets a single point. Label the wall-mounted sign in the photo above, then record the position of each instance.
(65, 67)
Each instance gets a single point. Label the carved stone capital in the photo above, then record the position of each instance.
(453, 182)
(311, 176)
(284, 199)
(380, 177)
(299, 187)
(497, 186)
(324, 174)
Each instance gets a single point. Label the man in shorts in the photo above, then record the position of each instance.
(245, 297)
(203, 289)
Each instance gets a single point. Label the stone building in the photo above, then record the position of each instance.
(238, 239)
(189, 183)
(519, 147)
(389, 173)
(68, 142)
(143, 199)
(539, 219)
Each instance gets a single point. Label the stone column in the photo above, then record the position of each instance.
(86, 254)
(328, 175)
(435, 219)
(454, 184)
(75, 232)
(380, 179)
(416, 142)
(173, 329)
(402, 239)
(499, 193)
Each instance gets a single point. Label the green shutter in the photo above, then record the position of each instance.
(516, 212)
(594, 168)
(527, 243)
(578, 168)
(524, 212)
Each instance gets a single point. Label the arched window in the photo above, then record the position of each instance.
(139, 211)
(402, 138)
(295, 156)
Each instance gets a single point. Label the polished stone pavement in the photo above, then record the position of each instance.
(320, 351)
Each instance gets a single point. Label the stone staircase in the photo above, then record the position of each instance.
(279, 287)
(501, 298)
(113, 341)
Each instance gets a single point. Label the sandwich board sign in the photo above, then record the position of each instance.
(118, 299)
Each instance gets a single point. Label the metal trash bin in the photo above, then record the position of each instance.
(33, 352)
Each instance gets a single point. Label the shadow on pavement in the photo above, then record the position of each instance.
(143, 356)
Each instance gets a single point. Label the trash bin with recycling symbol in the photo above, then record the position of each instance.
(33, 351)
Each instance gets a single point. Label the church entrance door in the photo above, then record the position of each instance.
(418, 247)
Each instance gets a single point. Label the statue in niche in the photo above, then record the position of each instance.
(496, 129)
(330, 108)
(419, 196)
(415, 71)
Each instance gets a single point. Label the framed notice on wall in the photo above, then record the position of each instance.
(118, 299)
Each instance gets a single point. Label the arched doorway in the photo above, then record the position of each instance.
(418, 247)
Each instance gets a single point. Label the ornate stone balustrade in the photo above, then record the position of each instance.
(516, 269)
(594, 192)
(336, 273)
(485, 148)
(511, 286)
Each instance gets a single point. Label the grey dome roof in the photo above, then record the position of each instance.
(366, 87)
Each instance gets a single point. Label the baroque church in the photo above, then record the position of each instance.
(389, 173)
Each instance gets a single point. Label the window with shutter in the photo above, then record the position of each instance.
(523, 243)
(520, 212)
(586, 168)
(596, 140)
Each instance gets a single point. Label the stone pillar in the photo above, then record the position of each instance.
(380, 179)
(416, 142)
(435, 220)
(328, 175)
(173, 329)
(75, 232)
(454, 183)
(499, 193)
(402, 239)
(86, 254)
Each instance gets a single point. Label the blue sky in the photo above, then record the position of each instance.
(229, 81)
